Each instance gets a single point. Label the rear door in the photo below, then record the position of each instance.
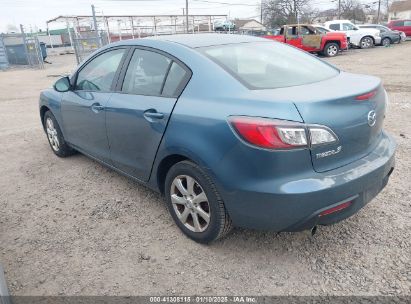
(138, 112)
(292, 36)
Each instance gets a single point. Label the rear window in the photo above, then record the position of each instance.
(335, 27)
(269, 65)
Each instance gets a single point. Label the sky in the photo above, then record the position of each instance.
(34, 13)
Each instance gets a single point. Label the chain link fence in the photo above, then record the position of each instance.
(21, 50)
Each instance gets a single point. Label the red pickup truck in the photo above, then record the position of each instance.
(308, 38)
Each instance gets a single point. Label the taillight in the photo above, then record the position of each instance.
(268, 133)
(366, 96)
(279, 134)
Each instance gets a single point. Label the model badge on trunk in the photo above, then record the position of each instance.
(328, 153)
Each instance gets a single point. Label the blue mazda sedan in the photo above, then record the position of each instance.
(232, 130)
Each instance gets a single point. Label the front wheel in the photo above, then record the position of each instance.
(55, 136)
(331, 49)
(366, 42)
(195, 204)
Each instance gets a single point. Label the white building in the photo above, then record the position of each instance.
(400, 10)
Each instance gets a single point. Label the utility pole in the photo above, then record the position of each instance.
(95, 25)
(378, 13)
(261, 12)
(187, 16)
(339, 9)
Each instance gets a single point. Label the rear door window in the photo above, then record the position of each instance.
(176, 80)
(407, 23)
(335, 26)
(146, 73)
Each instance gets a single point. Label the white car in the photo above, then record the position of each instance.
(363, 38)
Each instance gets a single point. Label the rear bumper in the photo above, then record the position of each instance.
(295, 202)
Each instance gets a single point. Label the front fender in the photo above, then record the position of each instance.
(51, 99)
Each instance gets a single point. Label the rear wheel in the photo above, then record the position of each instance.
(366, 42)
(55, 136)
(386, 42)
(331, 49)
(195, 204)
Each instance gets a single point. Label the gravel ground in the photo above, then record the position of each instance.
(72, 227)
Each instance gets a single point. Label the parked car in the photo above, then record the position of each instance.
(308, 38)
(363, 38)
(222, 26)
(233, 130)
(321, 29)
(388, 36)
(401, 25)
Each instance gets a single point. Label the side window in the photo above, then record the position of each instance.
(399, 23)
(347, 27)
(335, 26)
(407, 23)
(304, 30)
(146, 73)
(98, 74)
(175, 80)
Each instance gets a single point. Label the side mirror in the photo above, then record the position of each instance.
(62, 85)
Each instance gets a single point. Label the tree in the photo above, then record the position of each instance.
(279, 12)
(353, 10)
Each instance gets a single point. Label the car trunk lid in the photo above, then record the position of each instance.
(334, 103)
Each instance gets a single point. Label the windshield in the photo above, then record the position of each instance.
(269, 65)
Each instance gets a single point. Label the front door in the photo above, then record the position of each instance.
(137, 114)
(83, 108)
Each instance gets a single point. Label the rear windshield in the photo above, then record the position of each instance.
(269, 65)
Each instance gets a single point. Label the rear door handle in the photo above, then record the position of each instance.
(153, 114)
(96, 107)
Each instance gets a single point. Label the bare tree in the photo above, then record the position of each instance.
(353, 10)
(280, 12)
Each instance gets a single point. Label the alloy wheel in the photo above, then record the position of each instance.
(332, 50)
(366, 43)
(386, 42)
(190, 203)
(52, 134)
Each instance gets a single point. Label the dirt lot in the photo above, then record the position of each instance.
(71, 226)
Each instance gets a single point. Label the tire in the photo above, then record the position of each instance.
(55, 137)
(366, 42)
(386, 42)
(331, 49)
(184, 208)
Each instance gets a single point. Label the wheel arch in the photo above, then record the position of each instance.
(333, 41)
(164, 166)
(368, 36)
(43, 110)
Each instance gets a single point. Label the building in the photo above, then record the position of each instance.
(248, 25)
(400, 10)
(327, 15)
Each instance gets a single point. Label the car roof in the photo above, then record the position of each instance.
(200, 40)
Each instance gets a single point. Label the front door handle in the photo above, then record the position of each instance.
(153, 114)
(96, 107)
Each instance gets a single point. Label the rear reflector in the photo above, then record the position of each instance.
(336, 208)
(367, 95)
